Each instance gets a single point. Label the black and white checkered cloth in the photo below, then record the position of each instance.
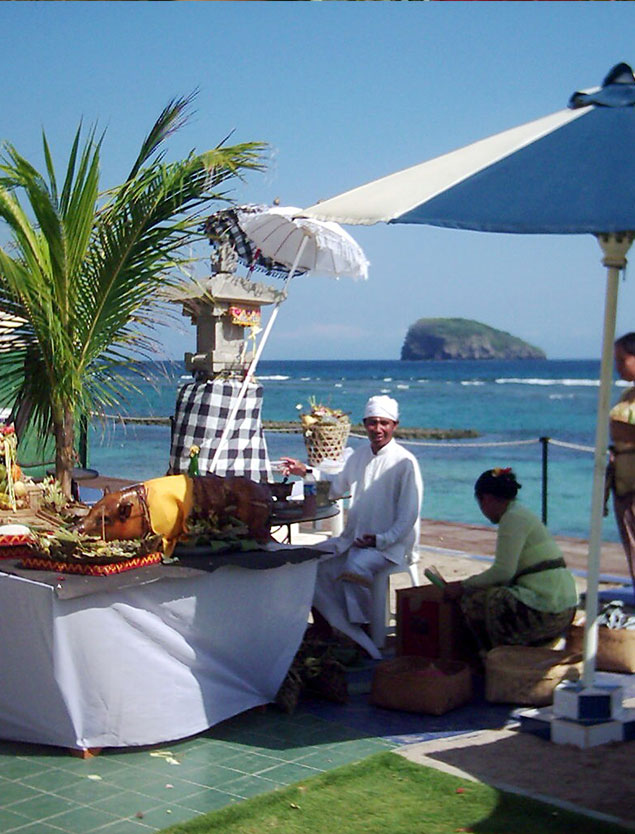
(224, 226)
(202, 409)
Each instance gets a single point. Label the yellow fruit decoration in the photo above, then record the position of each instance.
(19, 489)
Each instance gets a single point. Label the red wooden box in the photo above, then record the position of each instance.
(429, 627)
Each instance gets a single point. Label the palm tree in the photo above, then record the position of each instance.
(82, 275)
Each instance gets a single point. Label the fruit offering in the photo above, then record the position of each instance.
(13, 490)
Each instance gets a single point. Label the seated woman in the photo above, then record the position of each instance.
(528, 596)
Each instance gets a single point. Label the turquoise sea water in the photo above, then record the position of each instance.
(506, 402)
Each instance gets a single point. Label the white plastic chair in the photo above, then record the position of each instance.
(380, 600)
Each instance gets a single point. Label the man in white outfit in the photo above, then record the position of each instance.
(382, 525)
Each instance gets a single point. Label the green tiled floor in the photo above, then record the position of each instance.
(48, 791)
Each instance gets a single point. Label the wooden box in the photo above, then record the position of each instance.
(418, 684)
(429, 627)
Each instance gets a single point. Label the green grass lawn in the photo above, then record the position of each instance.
(386, 794)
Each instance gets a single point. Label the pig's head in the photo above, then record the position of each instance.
(118, 515)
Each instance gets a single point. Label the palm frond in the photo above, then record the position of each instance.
(50, 168)
(51, 239)
(79, 204)
(25, 237)
(172, 118)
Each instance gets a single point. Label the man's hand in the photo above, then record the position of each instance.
(291, 466)
(365, 541)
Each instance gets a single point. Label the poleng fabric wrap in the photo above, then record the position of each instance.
(202, 409)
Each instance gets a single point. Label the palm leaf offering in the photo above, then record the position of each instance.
(218, 532)
(319, 669)
(65, 545)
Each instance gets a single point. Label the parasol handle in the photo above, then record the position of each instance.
(254, 362)
(615, 248)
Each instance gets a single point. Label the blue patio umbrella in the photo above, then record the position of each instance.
(571, 172)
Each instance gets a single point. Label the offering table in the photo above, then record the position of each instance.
(160, 653)
(286, 513)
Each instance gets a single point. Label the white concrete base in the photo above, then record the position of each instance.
(583, 734)
(564, 731)
(588, 705)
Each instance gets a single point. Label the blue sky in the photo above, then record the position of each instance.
(342, 93)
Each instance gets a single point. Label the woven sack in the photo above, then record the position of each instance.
(528, 674)
(326, 441)
(419, 684)
(616, 647)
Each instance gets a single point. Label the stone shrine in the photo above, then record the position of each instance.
(223, 308)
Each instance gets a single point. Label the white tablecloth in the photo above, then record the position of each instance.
(146, 664)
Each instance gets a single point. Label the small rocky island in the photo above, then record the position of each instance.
(463, 339)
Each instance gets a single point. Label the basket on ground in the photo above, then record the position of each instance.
(528, 675)
(616, 647)
(419, 684)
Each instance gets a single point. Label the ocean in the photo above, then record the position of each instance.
(511, 404)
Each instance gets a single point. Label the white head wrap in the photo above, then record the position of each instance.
(382, 406)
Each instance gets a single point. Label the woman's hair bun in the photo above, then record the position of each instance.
(498, 482)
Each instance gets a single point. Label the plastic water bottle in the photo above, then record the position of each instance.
(310, 493)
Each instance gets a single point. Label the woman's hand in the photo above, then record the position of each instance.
(453, 591)
(291, 466)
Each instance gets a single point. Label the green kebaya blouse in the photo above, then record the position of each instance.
(522, 541)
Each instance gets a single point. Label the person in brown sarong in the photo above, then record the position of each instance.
(621, 469)
(528, 596)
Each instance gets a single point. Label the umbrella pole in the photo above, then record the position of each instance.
(615, 248)
(252, 366)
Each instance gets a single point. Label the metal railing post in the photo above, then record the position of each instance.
(545, 477)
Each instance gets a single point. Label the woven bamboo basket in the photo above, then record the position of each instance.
(419, 684)
(528, 674)
(616, 647)
(326, 441)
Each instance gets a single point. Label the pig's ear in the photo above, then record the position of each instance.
(124, 510)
